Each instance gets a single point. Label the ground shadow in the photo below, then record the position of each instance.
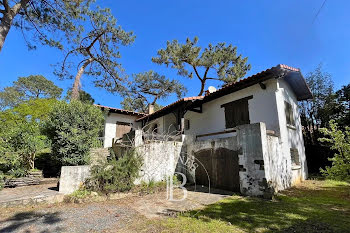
(21, 221)
(53, 188)
(205, 189)
(297, 210)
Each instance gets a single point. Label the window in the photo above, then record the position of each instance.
(122, 128)
(187, 124)
(294, 154)
(237, 112)
(289, 113)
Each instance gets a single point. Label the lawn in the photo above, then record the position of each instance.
(314, 206)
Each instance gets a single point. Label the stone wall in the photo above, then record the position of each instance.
(160, 159)
(72, 177)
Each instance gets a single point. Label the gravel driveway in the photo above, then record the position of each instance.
(104, 216)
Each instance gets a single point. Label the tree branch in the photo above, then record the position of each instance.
(195, 70)
(6, 6)
(205, 73)
(213, 78)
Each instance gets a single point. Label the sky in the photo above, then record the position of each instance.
(268, 32)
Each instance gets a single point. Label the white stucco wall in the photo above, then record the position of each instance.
(291, 137)
(262, 108)
(110, 126)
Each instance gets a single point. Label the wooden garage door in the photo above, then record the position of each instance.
(222, 167)
(122, 128)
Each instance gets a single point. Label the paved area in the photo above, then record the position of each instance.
(29, 194)
(104, 216)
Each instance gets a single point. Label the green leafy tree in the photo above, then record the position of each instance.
(147, 88)
(340, 142)
(218, 62)
(28, 140)
(343, 110)
(21, 138)
(72, 128)
(316, 113)
(98, 53)
(28, 88)
(46, 22)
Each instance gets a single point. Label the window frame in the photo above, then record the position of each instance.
(294, 157)
(289, 112)
(229, 109)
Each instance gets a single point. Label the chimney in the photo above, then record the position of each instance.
(150, 108)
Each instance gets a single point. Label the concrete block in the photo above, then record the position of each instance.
(72, 177)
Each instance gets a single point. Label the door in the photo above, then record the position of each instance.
(121, 129)
(222, 167)
(227, 169)
(204, 170)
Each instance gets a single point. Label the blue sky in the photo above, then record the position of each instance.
(267, 32)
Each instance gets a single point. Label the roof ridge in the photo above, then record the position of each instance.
(119, 109)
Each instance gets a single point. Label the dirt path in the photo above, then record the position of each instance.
(107, 216)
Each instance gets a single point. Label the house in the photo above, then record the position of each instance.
(246, 136)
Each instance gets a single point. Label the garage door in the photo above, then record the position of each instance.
(221, 165)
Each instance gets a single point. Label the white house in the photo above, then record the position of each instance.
(267, 101)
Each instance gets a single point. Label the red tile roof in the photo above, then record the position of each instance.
(193, 98)
(230, 87)
(257, 75)
(121, 111)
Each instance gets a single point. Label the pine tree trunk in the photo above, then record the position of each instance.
(202, 88)
(76, 85)
(7, 19)
(5, 26)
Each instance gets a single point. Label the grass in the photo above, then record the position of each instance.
(314, 206)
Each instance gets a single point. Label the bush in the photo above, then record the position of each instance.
(72, 128)
(116, 175)
(340, 142)
(77, 196)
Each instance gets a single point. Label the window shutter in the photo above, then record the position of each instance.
(187, 124)
(237, 112)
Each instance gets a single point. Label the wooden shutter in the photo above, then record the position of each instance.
(122, 128)
(237, 112)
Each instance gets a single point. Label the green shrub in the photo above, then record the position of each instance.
(72, 128)
(340, 142)
(116, 175)
(18, 172)
(77, 196)
(151, 186)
